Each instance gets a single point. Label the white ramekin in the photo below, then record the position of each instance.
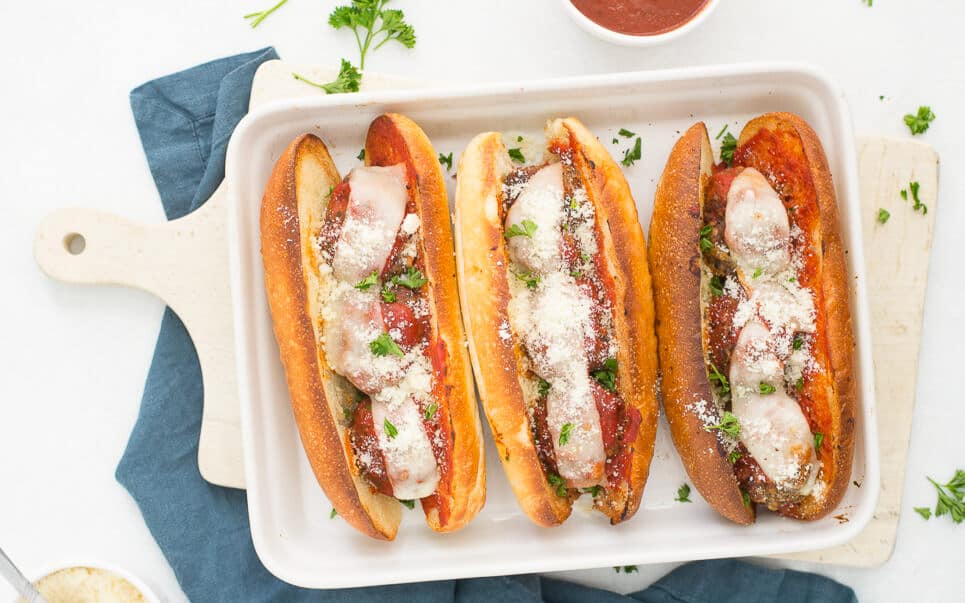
(149, 595)
(613, 37)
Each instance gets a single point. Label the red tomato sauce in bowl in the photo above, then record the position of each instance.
(640, 17)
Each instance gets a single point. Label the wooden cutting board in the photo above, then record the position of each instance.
(154, 257)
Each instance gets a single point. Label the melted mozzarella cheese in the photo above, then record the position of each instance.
(409, 460)
(757, 230)
(777, 435)
(773, 426)
(352, 319)
(580, 459)
(553, 321)
(541, 202)
(376, 207)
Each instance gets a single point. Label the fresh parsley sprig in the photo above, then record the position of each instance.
(729, 424)
(607, 376)
(919, 122)
(411, 278)
(727, 148)
(683, 494)
(632, 155)
(565, 433)
(526, 228)
(558, 483)
(951, 498)
(348, 80)
(383, 345)
(368, 19)
(446, 160)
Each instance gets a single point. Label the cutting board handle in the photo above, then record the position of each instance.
(185, 263)
(97, 248)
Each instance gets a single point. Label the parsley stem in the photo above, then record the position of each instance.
(259, 17)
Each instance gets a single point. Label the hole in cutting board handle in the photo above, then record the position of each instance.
(75, 243)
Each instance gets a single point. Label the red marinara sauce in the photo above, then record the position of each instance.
(640, 17)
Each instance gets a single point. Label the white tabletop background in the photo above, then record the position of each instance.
(74, 358)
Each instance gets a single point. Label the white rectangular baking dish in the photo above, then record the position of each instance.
(290, 524)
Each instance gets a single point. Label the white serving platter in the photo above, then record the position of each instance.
(290, 524)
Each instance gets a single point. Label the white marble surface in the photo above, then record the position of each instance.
(75, 358)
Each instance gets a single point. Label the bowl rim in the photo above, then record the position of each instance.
(149, 594)
(622, 39)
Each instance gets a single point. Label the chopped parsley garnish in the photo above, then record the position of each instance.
(446, 160)
(519, 138)
(924, 512)
(615, 141)
(516, 155)
(766, 388)
(361, 155)
(747, 499)
(256, 18)
(390, 429)
(368, 19)
(632, 155)
(705, 244)
(365, 283)
(626, 568)
(757, 272)
(593, 491)
(797, 343)
(531, 279)
(431, 411)
(388, 295)
(683, 494)
(951, 497)
(818, 439)
(733, 456)
(720, 380)
(331, 189)
(333, 514)
(626, 133)
(526, 228)
(410, 504)
(347, 81)
(543, 387)
(383, 345)
(918, 206)
(730, 425)
(919, 123)
(717, 286)
(607, 376)
(410, 279)
(799, 384)
(883, 215)
(904, 194)
(558, 483)
(721, 133)
(727, 148)
(565, 433)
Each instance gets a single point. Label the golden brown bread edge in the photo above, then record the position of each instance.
(485, 293)
(675, 260)
(295, 198)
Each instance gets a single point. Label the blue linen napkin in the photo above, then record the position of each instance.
(185, 120)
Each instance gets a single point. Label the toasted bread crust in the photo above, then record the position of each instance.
(393, 139)
(294, 198)
(837, 312)
(483, 280)
(675, 260)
